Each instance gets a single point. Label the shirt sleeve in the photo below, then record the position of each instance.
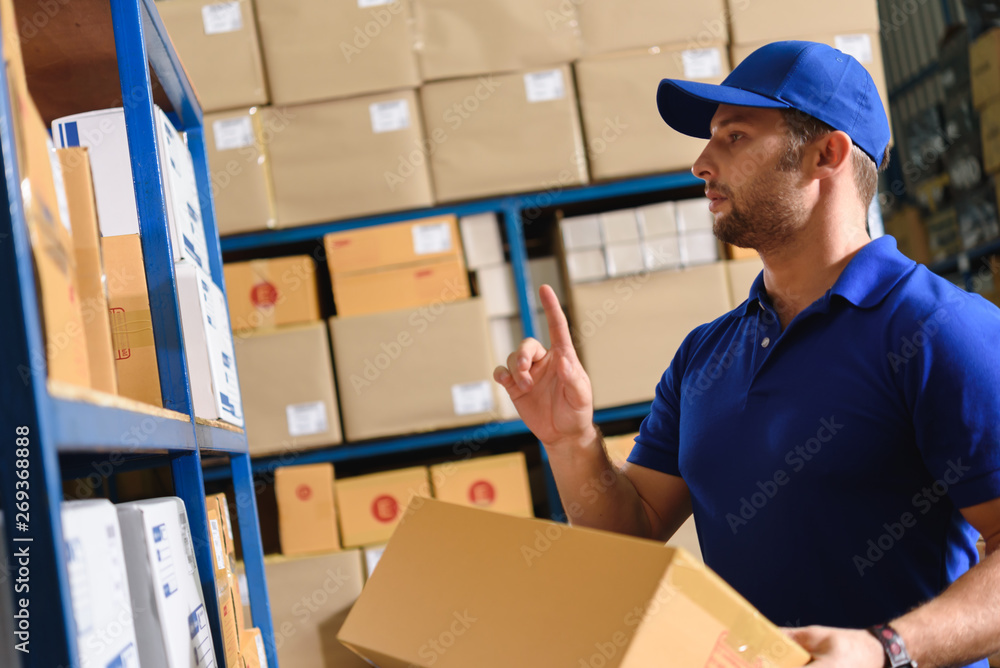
(658, 444)
(952, 384)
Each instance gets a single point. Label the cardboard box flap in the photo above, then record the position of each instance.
(493, 590)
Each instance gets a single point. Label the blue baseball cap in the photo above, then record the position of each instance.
(813, 78)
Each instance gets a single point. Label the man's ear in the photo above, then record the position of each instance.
(829, 154)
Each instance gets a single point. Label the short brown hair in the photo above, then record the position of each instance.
(803, 128)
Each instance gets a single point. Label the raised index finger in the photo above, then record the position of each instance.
(558, 327)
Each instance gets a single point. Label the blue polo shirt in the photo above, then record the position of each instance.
(827, 462)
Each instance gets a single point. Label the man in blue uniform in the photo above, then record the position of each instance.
(837, 435)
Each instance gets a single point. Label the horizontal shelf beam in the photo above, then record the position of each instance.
(84, 427)
(215, 439)
(544, 199)
(465, 436)
(952, 264)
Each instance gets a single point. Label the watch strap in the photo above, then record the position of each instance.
(896, 655)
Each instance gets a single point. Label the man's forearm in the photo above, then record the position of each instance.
(959, 626)
(593, 492)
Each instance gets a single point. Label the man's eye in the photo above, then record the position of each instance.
(733, 136)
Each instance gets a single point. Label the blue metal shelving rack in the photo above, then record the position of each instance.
(63, 427)
(516, 212)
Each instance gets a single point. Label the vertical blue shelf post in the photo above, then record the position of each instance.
(525, 294)
(154, 231)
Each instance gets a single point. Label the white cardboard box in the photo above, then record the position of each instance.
(657, 220)
(661, 253)
(581, 232)
(545, 271)
(103, 133)
(99, 585)
(173, 630)
(208, 345)
(700, 247)
(496, 287)
(693, 215)
(481, 240)
(586, 265)
(625, 258)
(618, 226)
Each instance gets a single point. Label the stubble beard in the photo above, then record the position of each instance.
(765, 215)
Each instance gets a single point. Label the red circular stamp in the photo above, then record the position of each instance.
(303, 492)
(264, 294)
(482, 493)
(385, 508)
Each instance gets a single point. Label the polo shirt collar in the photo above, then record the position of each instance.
(865, 282)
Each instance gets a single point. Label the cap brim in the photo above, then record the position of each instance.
(688, 106)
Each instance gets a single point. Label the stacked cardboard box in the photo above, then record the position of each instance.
(498, 483)
(208, 342)
(853, 29)
(242, 644)
(173, 627)
(217, 42)
(625, 242)
(50, 231)
(283, 355)
(307, 520)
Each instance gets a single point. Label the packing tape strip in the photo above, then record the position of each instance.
(131, 329)
(752, 638)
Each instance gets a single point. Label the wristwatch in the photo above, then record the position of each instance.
(896, 655)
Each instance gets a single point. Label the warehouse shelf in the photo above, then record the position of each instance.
(474, 434)
(963, 260)
(86, 55)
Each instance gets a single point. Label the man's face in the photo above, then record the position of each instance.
(754, 188)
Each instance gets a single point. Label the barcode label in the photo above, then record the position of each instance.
(471, 398)
(233, 133)
(544, 86)
(702, 63)
(307, 418)
(389, 116)
(434, 238)
(222, 17)
(220, 560)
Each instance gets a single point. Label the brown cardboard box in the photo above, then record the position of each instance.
(502, 587)
(432, 365)
(628, 329)
(606, 27)
(457, 38)
(505, 133)
(371, 506)
(222, 505)
(753, 21)
(306, 516)
(309, 640)
(625, 134)
(288, 394)
(865, 46)
(984, 67)
(498, 483)
(217, 541)
(268, 293)
(89, 272)
(382, 246)
(242, 188)
(348, 158)
(217, 42)
(252, 649)
(989, 129)
(742, 274)
(408, 287)
(131, 324)
(230, 628)
(911, 235)
(316, 50)
(52, 246)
